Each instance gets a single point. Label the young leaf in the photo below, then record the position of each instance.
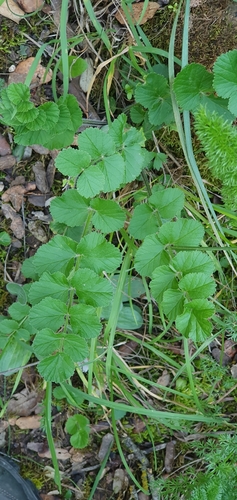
(183, 232)
(49, 285)
(169, 202)
(154, 94)
(194, 322)
(84, 321)
(78, 426)
(197, 285)
(109, 216)
(91, 181)
(162, 279)
(70, 208)
(72, 162)
(57, 255)
(150, 255)
(76, 66)
(193, 262)
(192, 85)
(98, 254)
(49, 313)
(18, 92)
(143, 222)
(91, 288)
(52, 114)
(56, 368)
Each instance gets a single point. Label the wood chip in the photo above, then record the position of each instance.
(12, 11)
(136, 10)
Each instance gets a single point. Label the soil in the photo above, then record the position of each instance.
(213, 30)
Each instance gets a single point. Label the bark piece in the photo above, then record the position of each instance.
(17, 225)
(170, 456)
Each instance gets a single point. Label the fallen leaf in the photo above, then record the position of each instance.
(32, 422)
(30, 5)
(61, 454)
(15, 195)
(38, 231)
(7, 161)
(128, 348)
(4, 146)
(120, 479)
(37, 447)
(164, 379)
(87, 75)
(136, 10)
(106, 444)
(40, 177)
(22, 69)
(39, 200)
(12, 11)
(17, 225)
(22, 403)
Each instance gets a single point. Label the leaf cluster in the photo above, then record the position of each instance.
(51, 124)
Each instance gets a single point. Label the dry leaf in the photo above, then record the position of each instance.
(7, 162)
(32, 422)
(22, 69)
(17, 225)
(30, 5)
(136, 10)
(15, 195)
(170, 456)
(164, 379)
(38, 231)
(4, 146)
(106, 443)
(12, 11)
(40, 177)
(23, 403)
(61, 454)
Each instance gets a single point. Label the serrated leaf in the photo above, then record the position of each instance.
(91, 288)
(197, 285)
(46, 342)
(72, 162)
(113, 169)
(134, 162)
(70, 208)
(150, 255)
(137, 114)
(163, 278)
(84, 321)
(225, 77)
(28, 269)
(183, 232)
(149, 93)
(173, 303)
(28, 116)
(161, 112)
(143, 222)
(56, 255)
(160, 158)
(49, 313)
(109, 216)
(193, 323)
(193, 262)
(191, 85)
(169, 202)
(49, 285)
(96, 143)
(74, 111)
(98, 254)
(56, 368)
(18, 92)
(91, 182)
(18, 311)
(38, 122)
(52, 114)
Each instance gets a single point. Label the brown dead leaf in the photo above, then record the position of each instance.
(12, 11)
(106, 444)
(170, 456)
(30, 5)
(128, 348)
(32, 422)
(4, 146)
(164, 379)
(22, 403)
(38, 231)
(40, 177)
(7, 161)
(61, 454)
(17, 225)
(136, 10)
(15, 195)
(19, 75)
